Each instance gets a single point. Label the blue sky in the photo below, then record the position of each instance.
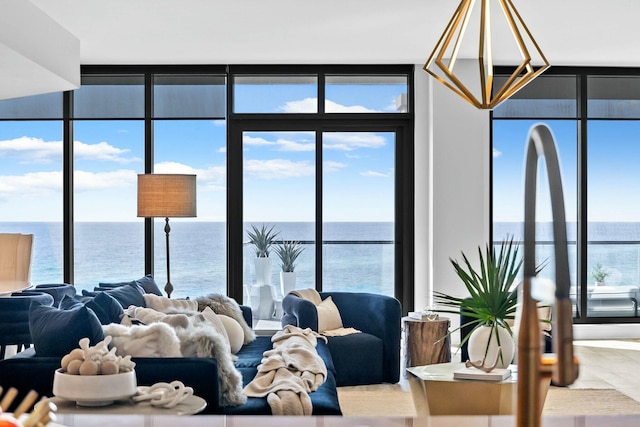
(279, 167)
(613, 179)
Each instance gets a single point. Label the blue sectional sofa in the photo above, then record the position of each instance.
(28, 371)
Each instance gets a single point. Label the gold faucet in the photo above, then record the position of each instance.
(532, 368)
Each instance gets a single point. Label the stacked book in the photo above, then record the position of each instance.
(472, 373)
(420, 315)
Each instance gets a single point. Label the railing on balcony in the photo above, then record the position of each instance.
(348, 265)
(618, 294)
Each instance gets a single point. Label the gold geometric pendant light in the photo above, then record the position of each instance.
(478, 90)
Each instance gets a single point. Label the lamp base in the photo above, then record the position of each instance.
(168, 288)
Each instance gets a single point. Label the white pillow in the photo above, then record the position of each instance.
(234, 332)
(215, 321)
(328, 316)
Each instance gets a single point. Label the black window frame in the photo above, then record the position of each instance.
(582, 97)
(401, 123)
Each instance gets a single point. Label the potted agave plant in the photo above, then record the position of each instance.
(262, 239)
(491, 304)
(288, 252)
(599, 274)
(262, 294)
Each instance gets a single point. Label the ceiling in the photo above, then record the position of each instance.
(569, 32)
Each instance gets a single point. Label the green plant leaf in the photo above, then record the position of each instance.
(492, 292)
(262, 239)
(288, 252)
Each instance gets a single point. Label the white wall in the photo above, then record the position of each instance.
(452, 184)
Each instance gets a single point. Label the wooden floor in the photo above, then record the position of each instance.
(609, 364)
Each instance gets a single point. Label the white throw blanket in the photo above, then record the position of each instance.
(156, 340)
(289, 372)
(168, 336)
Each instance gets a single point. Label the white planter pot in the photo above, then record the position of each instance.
(263, 271)
(262, 298)
(479, 340)
(287, 282)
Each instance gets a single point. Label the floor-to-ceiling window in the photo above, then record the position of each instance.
(31, 183)
(317, 152)
(323, 153)
(593, 114)
(108, 153)
(189, 136)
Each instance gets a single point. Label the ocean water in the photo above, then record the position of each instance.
(356, 256)
(613, 245)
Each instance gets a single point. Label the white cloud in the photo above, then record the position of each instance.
(307, 105)
(374, 174)
(288, 145)
(278, 168)
(334, 107)
(35, 183)
(310, 105)
(280, 144)
(89, 181)
(37, 150)
(212, 178)
(41, 183)
(102, 151)
(349, 141)
(496, 153)
(32, 150)
(173, 167)
(253, 141)
(330, 166)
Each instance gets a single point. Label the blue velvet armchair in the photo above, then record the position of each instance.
(370, 357)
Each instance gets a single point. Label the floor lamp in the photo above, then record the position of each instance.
(167, 195)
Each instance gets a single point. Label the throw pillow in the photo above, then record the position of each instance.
(328, 316)
(56, 332)
(109, 285)
(149, 285)
(234, 332)
(88, 294)
(213, 319)
(67, 303)
(106, 307)
(129, 294)
(222, 304)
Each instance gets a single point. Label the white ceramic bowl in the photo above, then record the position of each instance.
(94, 390)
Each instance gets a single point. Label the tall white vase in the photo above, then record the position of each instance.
(287, 282)
(479, 340)
(263, 270)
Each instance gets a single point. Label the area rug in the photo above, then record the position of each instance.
(393, 402)
(396, 402)
(588, 401)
